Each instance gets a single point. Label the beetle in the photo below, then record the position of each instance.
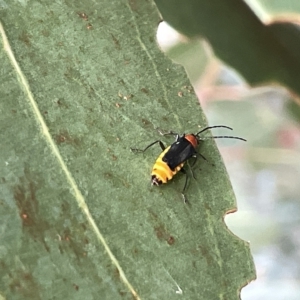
(172, 158)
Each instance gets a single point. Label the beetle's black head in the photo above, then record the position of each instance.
(155, 180)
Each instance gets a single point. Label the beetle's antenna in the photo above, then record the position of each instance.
(210, 127)
(219, 136)
(222, 137)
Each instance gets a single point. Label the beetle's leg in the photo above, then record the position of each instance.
(197, 153)
(203, 157)
(196, 158)
(185, 185)
(191, 167)
(162, 146)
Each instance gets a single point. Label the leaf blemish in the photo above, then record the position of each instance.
(28, 206)
(116, 42)
(162, 234)
(145, 91)
(23, 283)
(83, 16)
(64, 137)
(24, 37)
(171, 240)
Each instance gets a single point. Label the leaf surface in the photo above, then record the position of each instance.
(79, 219)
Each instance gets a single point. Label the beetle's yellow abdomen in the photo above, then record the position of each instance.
(161, 172)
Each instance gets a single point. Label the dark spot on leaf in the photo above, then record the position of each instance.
(151, 40)
(116, 42)
(45, 33)
(133, 4)
(65, 206)
(72, 242)
(129, 96)
(206, 254)
(66, 238)
(24, 216)
(59, 102)
(3, 265)
(125, 97)
(60, 139)
(160, 230)
(144, 90)
(117, 273)
(13, 111)
(171, 240)
(108, 175)
(3, 179)
(25, 38)
(72, 74)
(28, 206)
(189, 88)
(153, 214)
(115, 180)
(207, 207)
(61, 249)
(64, 137)
(76, 287)
(146, 122)
(162, 234)
(23, 284)
(83, 16)
(71, 239)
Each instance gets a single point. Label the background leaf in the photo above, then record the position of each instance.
(78, 218)
(262, 53)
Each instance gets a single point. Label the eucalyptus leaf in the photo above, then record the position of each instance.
(263, 50)
(81, 83)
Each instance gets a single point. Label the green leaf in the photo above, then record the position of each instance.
(275, 8)
(80, 85)
(261, 52)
